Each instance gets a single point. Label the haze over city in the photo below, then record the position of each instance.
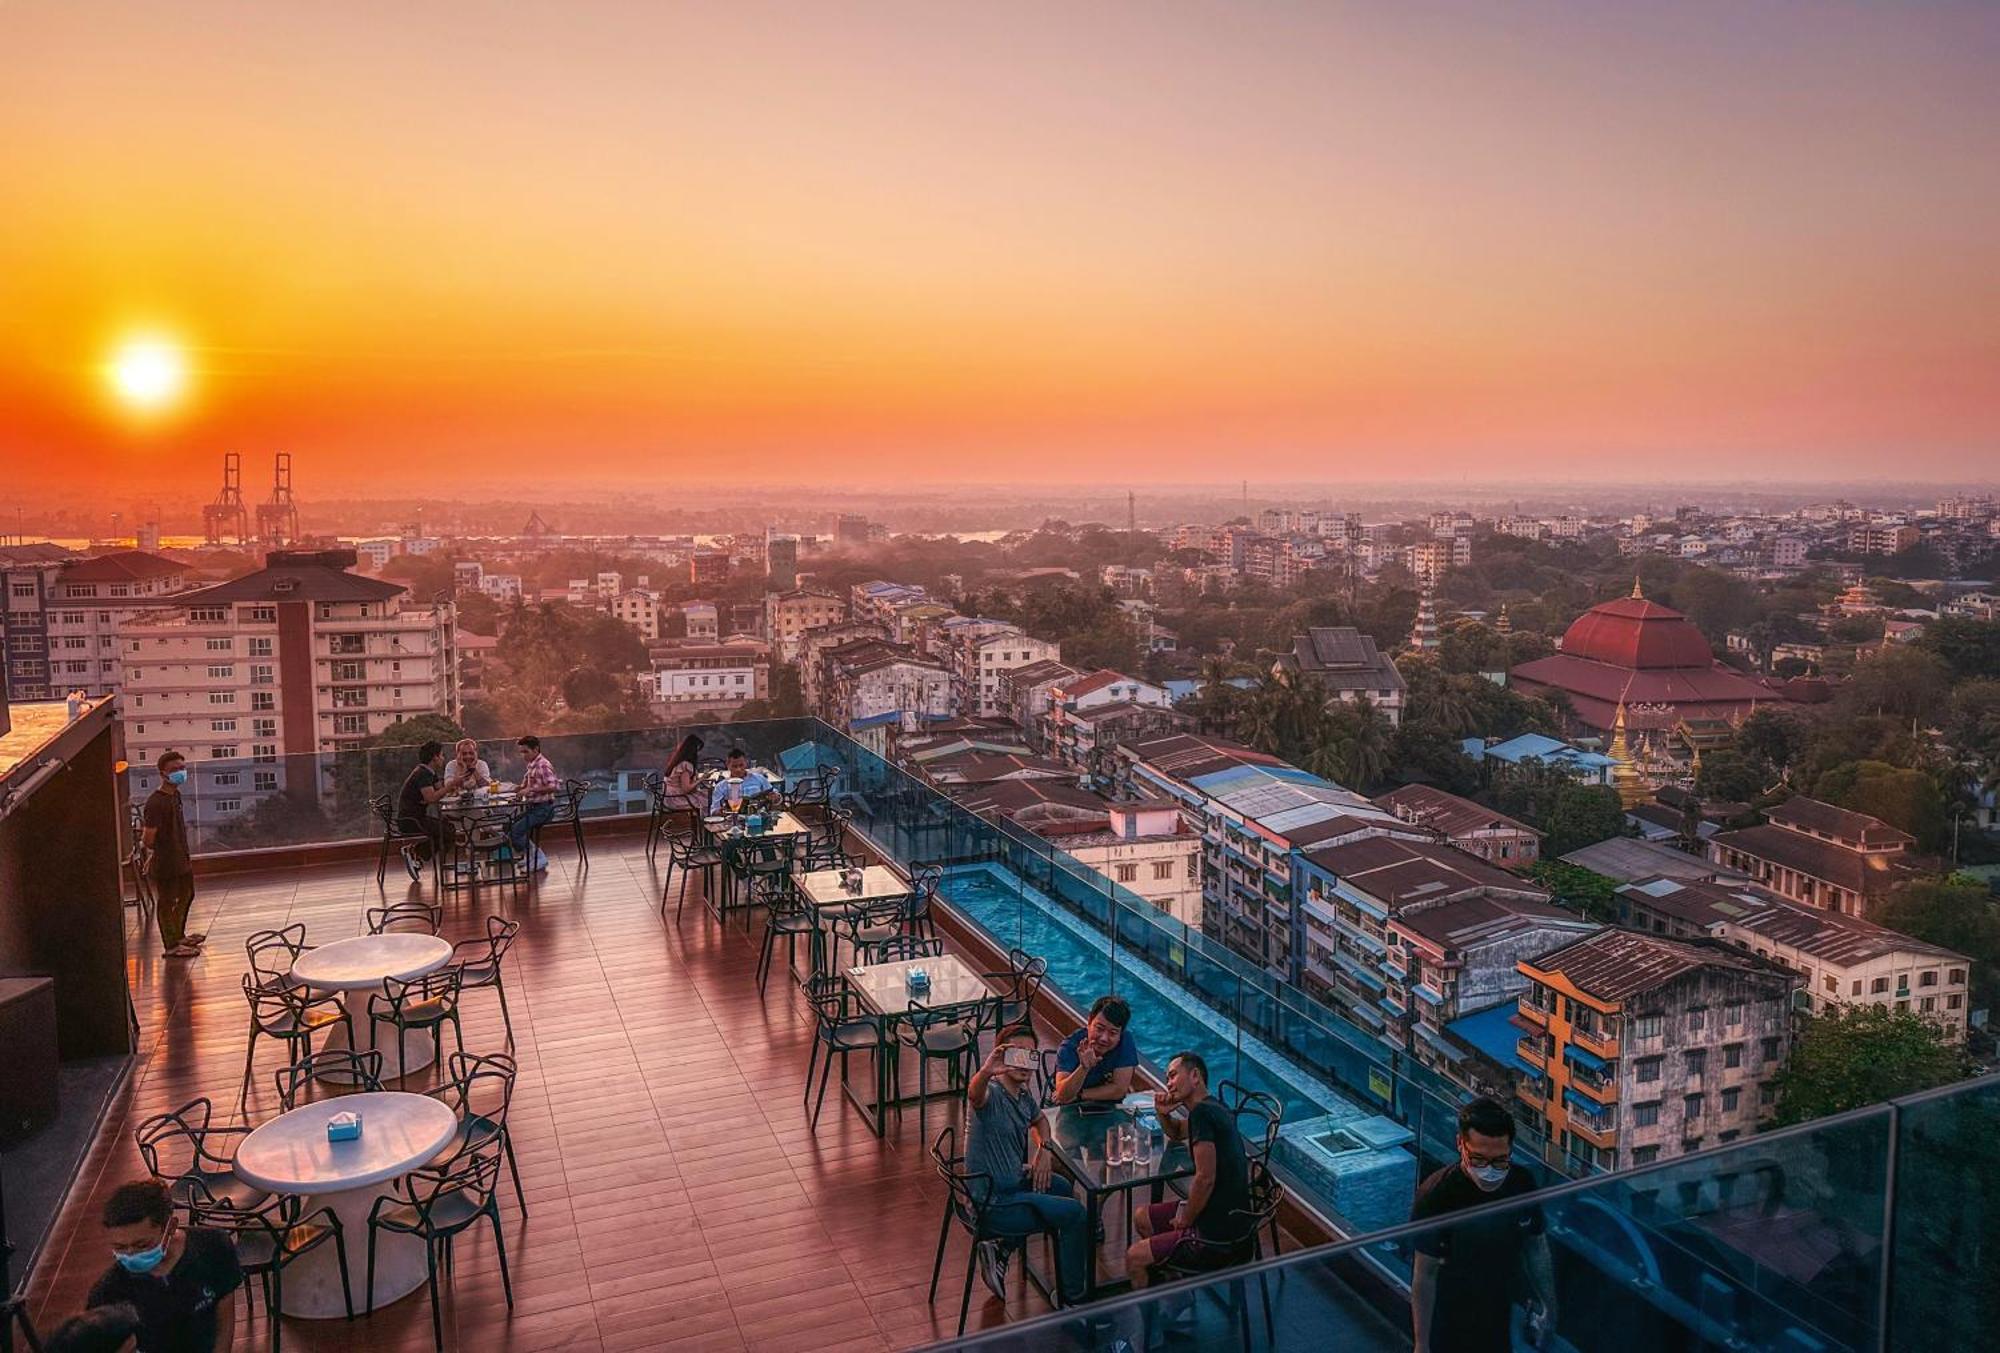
(442, 248)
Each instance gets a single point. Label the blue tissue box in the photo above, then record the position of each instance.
(918, 979)
(343, 1127)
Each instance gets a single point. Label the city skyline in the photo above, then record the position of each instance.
(1441, 244)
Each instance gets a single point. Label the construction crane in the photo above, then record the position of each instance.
(278, 515)
(226, 515)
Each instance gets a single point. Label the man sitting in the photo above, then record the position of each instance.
(181, 1280)
(740, 785)
(415, 808)
(1097, 1062)
(1006, 1143)
(539, 787)
(1216, 1210)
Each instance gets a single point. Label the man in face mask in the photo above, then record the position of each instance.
(165, 841)
(180, 1280)
(1468, 1274)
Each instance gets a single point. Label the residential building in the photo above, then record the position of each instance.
(298, 658)
(708, 567)
(1641, 1048)
(1073, 722)
(813, 644)
(1881, 537)
(781, 562)
(474, 652)
(701, 678)
(876, 600)
(1840, 959)
(871, 687)
(1626, 858)
(1500, 758)
(1471, 827)
(640, 610)
(977, 662)
(1788, 552)
(502, 587)
(789, 614)
(851, 529)
(1024, 691)
(700, 621)
(1349, 666)
(1823, 856)
(73, 638)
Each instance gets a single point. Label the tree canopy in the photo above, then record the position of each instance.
(1848, 1057)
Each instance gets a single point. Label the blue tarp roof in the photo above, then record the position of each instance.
(1492, 1031)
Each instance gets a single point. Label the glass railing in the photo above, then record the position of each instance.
(1878, 1229)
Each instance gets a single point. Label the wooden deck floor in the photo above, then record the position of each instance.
(676, 1195)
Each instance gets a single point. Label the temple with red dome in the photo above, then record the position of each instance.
(1647, 657)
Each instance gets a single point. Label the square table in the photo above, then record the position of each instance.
(785, 827)
(883, 989)
(1076, 1135)
(822, 891)
(462, 864)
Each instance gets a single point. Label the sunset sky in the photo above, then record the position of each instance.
(433, 244)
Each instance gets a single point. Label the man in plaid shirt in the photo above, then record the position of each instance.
(539, 787)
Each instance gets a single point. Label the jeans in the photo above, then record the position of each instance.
(1022, 1212)
(173, 896)
(532, 817)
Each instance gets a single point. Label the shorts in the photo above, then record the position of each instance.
(1166, 1238)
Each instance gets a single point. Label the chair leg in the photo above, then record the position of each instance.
(513, 1167)
(582, 851)
(340, 1253)
(826, 1075)
(812, 1069)
(249, 1062)
(965, 1300)
(382, 862)
(437, 1307)
(944, 1234)
(368, 1296)
(500, 1248)
(500, 986)
(277, 1305)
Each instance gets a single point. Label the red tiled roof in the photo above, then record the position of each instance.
(1615, 964)
(1398, 872)
(122, 566)
(1842, 824)
(1634, 632)
(1429, 806)
(1595, 688)
(1867, 875)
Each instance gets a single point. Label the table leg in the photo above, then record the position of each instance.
(394, 1066)
(312, 1282)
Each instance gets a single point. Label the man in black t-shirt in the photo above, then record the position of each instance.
(1216, 1209)
(164, 839)
(181, 1280)
(422, 788)
(1468, 1274)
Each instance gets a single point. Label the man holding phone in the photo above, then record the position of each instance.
(1006, 1144)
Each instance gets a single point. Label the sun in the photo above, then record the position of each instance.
(148, 373)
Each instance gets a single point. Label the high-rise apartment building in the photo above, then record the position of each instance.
(781, 562)
(59, 613)
(976, 665)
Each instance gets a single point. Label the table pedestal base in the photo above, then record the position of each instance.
(312, 1283)
(416, 1053)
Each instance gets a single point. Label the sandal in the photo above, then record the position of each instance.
(183, 951)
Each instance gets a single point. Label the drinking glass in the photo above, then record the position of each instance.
(1142, 1149)
(1114, 1146)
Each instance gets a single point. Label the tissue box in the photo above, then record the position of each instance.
(919, 979)
(343, 1127)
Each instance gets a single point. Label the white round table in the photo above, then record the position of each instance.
(360, 964)
(290, 1154)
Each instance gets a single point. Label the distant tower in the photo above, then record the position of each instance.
(1638, 594)
(536, 527)
(1504, 625)
(278, 515)
(1424, 637)
(226, 516)
(1624, 771)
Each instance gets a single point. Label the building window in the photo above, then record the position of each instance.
(1128, 873)
(222, 697)
(1697, 1061)
(222, 753)
(264, 751)
(1879, 987)
(1927, 978)
(1697, 1019)
(208, 615)
(222, 725)
(1648, 1026)
(260, 648)
(261, 615)
(264, 728)
(1730, 1098)
(264, 780)
(1770, 1049)
(216, 645)
(1646, 1115)
(1645, 1155)
(228, 779)
(224, 806)
(1691, 1108)
(1831, 983)
(1646, 1070)
(262, 700)
(1926, 1004)
(1857, 986)
(1767, 1093)
(1954, 1002)
(1163, 869)
(260, 675)
(221, 673)
(1733, 1055)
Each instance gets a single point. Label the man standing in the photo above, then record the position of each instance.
(1097, 1061)
(1216, 1210)
(1005, 1143)
(165, 841)
(416, 808)
(539, 787)
(1468, 1274)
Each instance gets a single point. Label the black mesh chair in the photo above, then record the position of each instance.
(840, 1029)
(394, 835)
(480, 964)
(826, 846)
(269, 1239)
(923, 892)
(765, 866)
(1196, 1257)
(866, 926)
(951, 1035)
(354, 1071)
(1020, 982)
(425, 1004)
(480, 1090)
(409, 917)
(1258, 1117)
(436, 1206)
(968, 1200)
(811, 789)
(183, 1148)
(292, 1015)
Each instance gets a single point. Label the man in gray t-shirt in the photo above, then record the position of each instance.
(1006, 1144)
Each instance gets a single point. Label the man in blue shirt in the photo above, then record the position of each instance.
(1098, 1061)
(740, 785)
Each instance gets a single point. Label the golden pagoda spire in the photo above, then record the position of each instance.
(1624, 772)
(1637, 593)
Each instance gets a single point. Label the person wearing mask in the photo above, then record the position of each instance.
(1216, 1210)
(1467, 1275)
(739, 785)
(181, 1280)
(1006, 1143)
(466, 769)
(416, 808)
(164, 838)
(539, 787)
(1098, 1061)
(680, 784)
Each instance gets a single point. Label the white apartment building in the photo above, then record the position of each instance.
(247, 677)
(1147, 849)
(787, 615)
(704, 622)
(640, 610)
(501, 586)
(86, 601)
(976, 665)
(701, 678)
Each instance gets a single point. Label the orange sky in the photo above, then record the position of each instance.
(430, 245)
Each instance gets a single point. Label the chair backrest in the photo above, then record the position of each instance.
(925, 878)
(440, 985)
(409, 916)
(277, 1007)
(469, 1176)
(170, 1143)
(480, 1090)
(900, 947)
(569, 803)
(270, 1219)
(339, 1070)
(1258, 1116)
(273, 952)
(970, 1192)
(761, 855)
(829, 996)
(500, 934)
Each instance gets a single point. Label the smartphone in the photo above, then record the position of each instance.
(1020, 1059)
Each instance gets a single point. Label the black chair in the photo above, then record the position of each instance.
(765, 866)
(480, 1090)
(436, 1206)
(135, 860)
(1022, 982)
(292, 1015)
(479, 964)
(182, 1148)
(658, 816)
(866, 926)
(269, 1239)
(924, 884)
(898, 948)
(1196, 1257)
(394, 835)
(968, 1201)
(789, 916)
(950, 1034)
(357, 1071)
(838, 1029)
(569, 809)
(685, 856)
(408, 917)
(425, 1004)
(811, 789)
(1258, 1116)
(826, 845)
(272, 954)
